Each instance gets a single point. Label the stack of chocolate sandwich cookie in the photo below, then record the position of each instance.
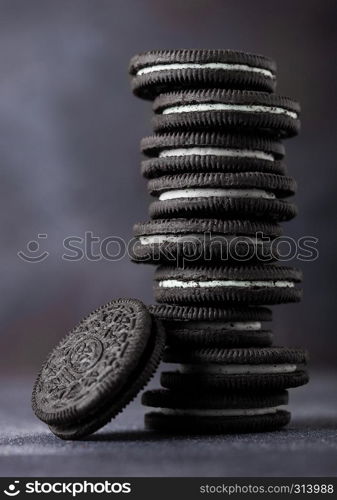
(215, 166)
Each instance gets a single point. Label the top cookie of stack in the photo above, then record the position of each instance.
(161, 71)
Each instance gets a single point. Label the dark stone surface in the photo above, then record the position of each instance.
(308, 447)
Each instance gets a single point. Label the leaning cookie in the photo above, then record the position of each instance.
(215, 412)
(204, 240)
(95, 371)
(250, 195)
(155, 72)
(241, 369)
(227, 110)
(240, 285)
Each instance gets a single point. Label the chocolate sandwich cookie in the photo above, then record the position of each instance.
(189, 334)
(97, 369)
(194, 164)
(210, 240)
(280, 185)
(211, 327)
(241, 369)
(235, 110)
(214, 145)
(215, 412)
(173, 312)
(240, 285)
(249, 195)
(161, 71)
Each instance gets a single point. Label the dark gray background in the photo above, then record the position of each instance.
(69, 146)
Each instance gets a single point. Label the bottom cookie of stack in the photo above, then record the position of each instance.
(215, 412)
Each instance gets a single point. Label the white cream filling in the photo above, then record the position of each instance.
(206, 151)
(246, 108)
(220, 413)
(213, 65)
(166, 238)
(172, 238)
(216, 192)
(222, 369)
(222, 325)
(171, 283)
